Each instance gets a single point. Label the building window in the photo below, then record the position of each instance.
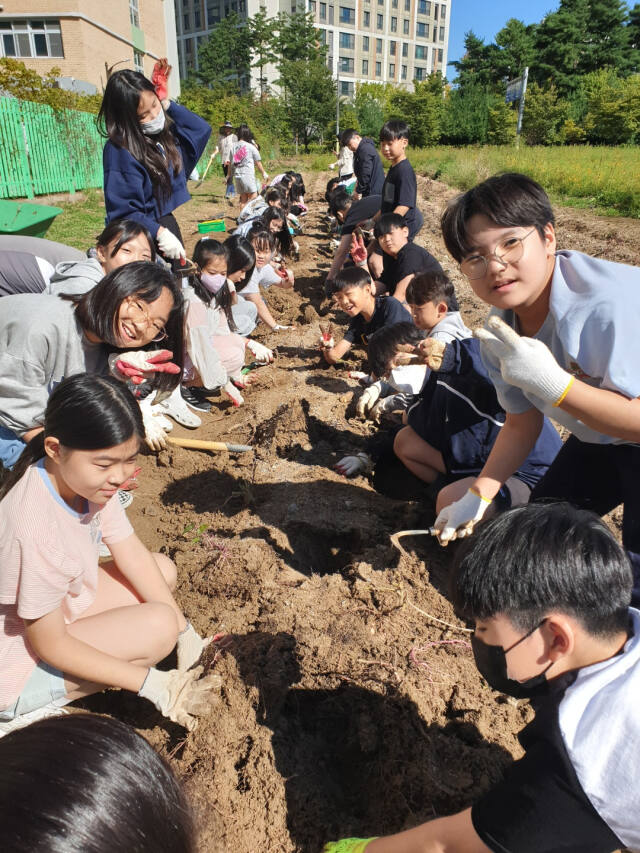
(403, 72)
(323, 11)
(407, 5)
(424, 7)
(440, 56)
(378, 45)
(435, 12)
(380, 21)
(421, 51)
(347, 40)
(31, 38)
(392, 69)
(378, 69)
(330, 15)
(365, 67)
(134, 13)
(394, 4)
(443, 13)
(405, 49)
(394, 25)
(419, 72)
(365, 44)
(312, 6)
(405, 27)
(197, 20)
(346, 88)
(346, 64)
(422, 30)
(347, 16)
(186, 26)
(138, 61)
(366, 19)
(392, 48)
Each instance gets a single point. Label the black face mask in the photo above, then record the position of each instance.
(492, 666)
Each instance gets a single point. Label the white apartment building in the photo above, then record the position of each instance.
(376, 41)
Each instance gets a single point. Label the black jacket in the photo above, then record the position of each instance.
(367, 167)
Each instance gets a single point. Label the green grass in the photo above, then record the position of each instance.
(80, 222)
(605, 179)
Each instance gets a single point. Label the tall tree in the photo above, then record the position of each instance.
(633, 28)
(516, 49)
(477, 66)
(608, 42)
(297, 38)
(262, 34)
(225, 58)
(309, 97)
(560, 40)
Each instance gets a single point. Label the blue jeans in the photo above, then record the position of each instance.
(10, 447)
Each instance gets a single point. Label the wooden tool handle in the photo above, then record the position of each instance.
(197, 444)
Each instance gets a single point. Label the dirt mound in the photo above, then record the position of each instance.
(350, 702)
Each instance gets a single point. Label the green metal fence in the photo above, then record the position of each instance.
(43, 150)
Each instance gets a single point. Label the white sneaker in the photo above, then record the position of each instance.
(50, 710)
(176, 408)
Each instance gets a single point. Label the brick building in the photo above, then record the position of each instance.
(84, 37)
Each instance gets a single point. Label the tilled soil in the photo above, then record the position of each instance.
(350, 702)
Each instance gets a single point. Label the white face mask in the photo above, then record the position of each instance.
(156, 125)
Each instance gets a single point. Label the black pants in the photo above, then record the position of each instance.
(171, 224)
(599, 477)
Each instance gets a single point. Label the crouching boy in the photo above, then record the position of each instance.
(547, 589)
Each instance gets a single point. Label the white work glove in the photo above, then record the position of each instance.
(230, 389)
(153, 431)
(280, 328)
(349, 466)
(262, 354)
(169, 245)
(326, 343)
(367, 399)
(524, 362)
(190, 647)
(180, 696)
(392, 403)
(458, 519)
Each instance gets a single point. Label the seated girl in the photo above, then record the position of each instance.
(215, 354)
(68, 626)
(271, 197)
(121, 242)
(45, 338)
(262, 243)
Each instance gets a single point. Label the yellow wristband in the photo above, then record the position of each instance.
(565, 392)
(478, 495)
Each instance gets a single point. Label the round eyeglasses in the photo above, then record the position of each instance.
(139, 316)
(508, 251)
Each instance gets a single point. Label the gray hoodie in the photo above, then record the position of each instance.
(450, 328)
(75, 277)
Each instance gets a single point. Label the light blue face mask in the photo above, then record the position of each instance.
(156, 125)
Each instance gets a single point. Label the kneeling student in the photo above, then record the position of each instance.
(547, 588)
(401, 259)
(355, 294)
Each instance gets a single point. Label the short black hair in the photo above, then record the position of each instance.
(395, 128)
(387, 222)
(347, 135)
(510, 199)
(351, 277)
(339, 201)
(542, 557)
(383, 345)
(432, 287)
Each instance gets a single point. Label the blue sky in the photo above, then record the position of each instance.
(488, 18)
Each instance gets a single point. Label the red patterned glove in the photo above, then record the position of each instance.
(357, 249)
(159, 78)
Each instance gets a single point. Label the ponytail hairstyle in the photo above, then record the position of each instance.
(98, 310)
(84, 412)
(118, 122)
(89, 784)
(204, 250)
(124, 230)
(284, 240)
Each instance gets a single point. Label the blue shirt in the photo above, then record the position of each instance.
(592, 331)
(128, 191)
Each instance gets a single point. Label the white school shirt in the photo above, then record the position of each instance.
(592, 331)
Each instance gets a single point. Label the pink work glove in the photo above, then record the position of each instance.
(135, 366)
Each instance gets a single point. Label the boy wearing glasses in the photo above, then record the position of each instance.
(561, 340)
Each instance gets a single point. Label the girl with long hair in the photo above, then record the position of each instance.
(68, 626)
(153, 144)
(45, 338)
(245, 159)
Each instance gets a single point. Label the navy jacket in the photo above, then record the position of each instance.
(367, 167)
(459, 414)
(128, 192)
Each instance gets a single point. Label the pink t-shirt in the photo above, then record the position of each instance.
(48, 559)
